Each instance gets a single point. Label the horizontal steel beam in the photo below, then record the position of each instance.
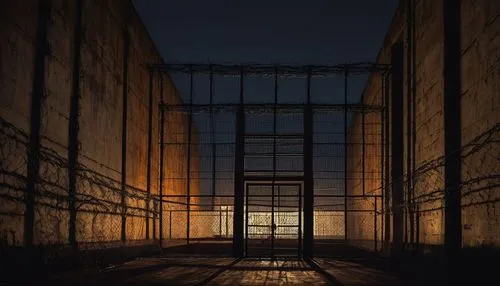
(250, 108)
(269, 70)
(275, 179)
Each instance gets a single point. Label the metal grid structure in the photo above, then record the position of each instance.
(262, 162)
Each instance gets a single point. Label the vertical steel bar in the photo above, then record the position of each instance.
(227, 222)
(382, 155)
(308, 241)
(214, 147)
(375, 224)
(160, 183)
(363, 145)
(170, 225)
(246, 219)
(346, 75)
(300, 223)
(150, 151)
(387, 178)
(273, 223)
(190, 126)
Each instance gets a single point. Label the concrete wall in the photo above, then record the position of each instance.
(107, 59)
(480, 60)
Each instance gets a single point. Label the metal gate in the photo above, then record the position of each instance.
(273, 220)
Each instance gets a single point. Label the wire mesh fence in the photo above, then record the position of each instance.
(264, 110)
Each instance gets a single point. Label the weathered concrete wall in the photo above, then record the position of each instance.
(480, 41)
(107, 59)
(361, 225)
(17, 49)
(480, 120)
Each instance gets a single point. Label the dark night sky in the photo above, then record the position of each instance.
(267, 31)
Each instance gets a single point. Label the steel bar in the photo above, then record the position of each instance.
(246, 218)
(162, 158)
(150, 149)
(212, 127)
(270, 70)
(387, 189)
(363, 150)
(274, 161)
(188, 183)
(300, 223)
(346, 75)
(269, 107)
(375, 225)
(382, 158)
(308, 241)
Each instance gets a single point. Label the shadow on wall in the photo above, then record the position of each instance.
(99, 208)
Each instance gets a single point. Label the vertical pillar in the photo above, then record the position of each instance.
(387, 178)
(397, 146)
(126, 56)
(308, 175)
(409, 123)
(37, 94)
(74, 112)
(452, 134)
(38, 90)
(239, 170)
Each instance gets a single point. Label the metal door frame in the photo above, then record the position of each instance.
(298, 184)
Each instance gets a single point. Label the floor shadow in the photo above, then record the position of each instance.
(219, 272)
(331, 279)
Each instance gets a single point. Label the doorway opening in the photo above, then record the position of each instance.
(273, 220)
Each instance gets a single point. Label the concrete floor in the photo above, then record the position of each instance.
(208, 263)
(228, 271)
(188, 265)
